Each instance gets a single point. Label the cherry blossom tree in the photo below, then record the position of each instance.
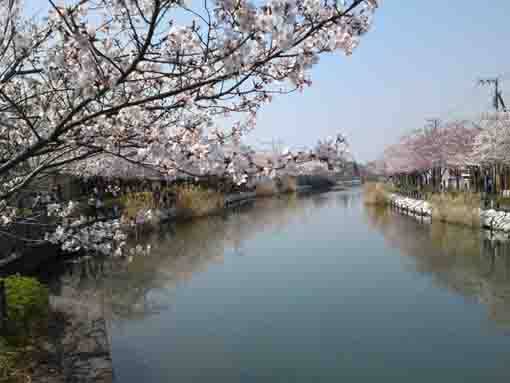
(152, 82)
(400, 158)
(492, 144)
(430, 151)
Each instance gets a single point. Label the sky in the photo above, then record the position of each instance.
(421, 60)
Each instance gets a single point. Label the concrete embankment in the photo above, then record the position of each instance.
(32, 257)
(77, 349)
(411, 205)
(495, 220)
(82, 345)
(488, 219)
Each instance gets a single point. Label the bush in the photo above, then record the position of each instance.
(8, 362)
(27, 307)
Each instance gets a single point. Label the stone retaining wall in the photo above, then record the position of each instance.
(81, 345)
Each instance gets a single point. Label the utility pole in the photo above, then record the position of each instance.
(432, 127)
(433, 123)
(497, 98)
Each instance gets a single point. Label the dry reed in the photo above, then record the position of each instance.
(267, 188)
(198, 201)
(376, 193)
(459, 208)
(134, 202)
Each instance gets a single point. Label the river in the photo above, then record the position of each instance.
(304, 289)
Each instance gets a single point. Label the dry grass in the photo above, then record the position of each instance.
(134, 202)
(376, 193)
(266, 189)
(198, 201)
(192, 200)
(454, 207)
(459, 208)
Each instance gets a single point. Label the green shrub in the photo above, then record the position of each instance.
(9, 360)
(27, 307)
(7, 365)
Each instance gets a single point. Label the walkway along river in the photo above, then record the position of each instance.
(312, 289)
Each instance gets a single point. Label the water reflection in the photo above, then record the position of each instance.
(471, 263)
(134, 287)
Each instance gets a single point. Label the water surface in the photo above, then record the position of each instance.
(312, 289)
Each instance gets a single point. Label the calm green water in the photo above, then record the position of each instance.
(312, 289)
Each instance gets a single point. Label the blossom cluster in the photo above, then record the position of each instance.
(100, 86)
(440, 145)
(101, 237)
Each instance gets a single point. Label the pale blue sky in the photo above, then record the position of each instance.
(421, 60)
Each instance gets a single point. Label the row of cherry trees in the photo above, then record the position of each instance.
(423, 155)
(171, 85)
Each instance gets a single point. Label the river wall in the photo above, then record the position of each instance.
(28, 258)
(489, 219)
(82, 345)
(79, 342)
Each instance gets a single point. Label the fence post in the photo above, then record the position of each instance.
(3, 308)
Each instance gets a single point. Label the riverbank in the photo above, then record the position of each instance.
(211, 301)
(140, 214)
(81, 345)
(49, 338)
(460, 210)
(73, 348)
(410, 205)
(78, 349)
